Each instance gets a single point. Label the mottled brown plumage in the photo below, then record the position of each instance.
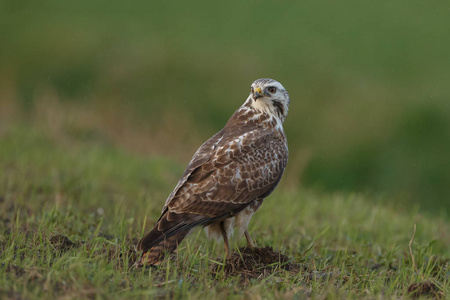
(228, 177)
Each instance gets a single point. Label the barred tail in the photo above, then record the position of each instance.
(165, 237)
(155, 255)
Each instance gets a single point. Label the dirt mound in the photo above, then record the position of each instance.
(18, 271)
(61, 242)
(256, 263)
(425, 288)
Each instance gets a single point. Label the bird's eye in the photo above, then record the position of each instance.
(272, 89)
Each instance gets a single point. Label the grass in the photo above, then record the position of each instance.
(71, 211)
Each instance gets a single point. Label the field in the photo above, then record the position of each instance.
(102, 104)
(72, 211)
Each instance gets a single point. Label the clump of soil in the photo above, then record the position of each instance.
(18, 271)
(61, 242)
(256, 263)
(425, 288)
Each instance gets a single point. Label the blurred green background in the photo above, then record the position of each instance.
(369, 82)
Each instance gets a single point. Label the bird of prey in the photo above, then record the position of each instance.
(228, 177)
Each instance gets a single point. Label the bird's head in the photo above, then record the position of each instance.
(268, 95)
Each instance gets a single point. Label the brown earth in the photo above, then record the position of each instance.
(256, 263)
(425, 289)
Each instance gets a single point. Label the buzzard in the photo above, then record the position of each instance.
(228, 177)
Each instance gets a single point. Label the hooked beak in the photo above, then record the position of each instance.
(257, 93)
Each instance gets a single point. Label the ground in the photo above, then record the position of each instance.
(72, 211)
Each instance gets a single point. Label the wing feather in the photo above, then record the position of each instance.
(229, 171)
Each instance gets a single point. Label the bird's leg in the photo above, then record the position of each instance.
(250, 243)
(225, 239)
